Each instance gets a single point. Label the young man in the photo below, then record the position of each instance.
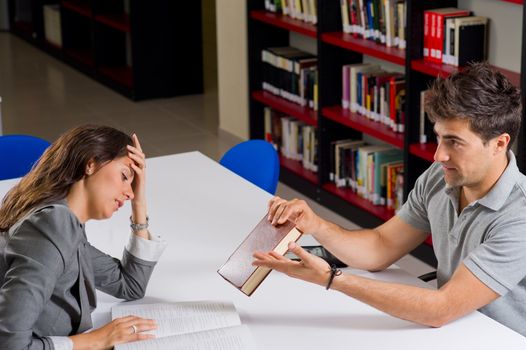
(472, 199)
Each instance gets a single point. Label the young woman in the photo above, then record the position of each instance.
(48, 269)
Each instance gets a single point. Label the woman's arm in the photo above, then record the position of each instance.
(138, 203)
(34, 264)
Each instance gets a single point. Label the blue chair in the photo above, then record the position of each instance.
(18, 153)
(256, 161)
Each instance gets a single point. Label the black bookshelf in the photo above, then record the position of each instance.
(142, 49)
(334, 50)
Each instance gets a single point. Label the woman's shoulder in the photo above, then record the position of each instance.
(54, 222)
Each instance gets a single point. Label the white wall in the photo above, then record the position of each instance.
(232, 66)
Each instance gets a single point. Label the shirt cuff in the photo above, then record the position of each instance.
(149, 250)
(61, 343)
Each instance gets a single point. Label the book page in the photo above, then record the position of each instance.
(231, 338)
(183, 317)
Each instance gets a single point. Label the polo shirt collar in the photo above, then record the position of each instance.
(500, 192)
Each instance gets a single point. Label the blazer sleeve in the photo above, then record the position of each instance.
(35, 256)
(126, 278)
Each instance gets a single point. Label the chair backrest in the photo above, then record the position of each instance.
(18, 153)
(256, 161)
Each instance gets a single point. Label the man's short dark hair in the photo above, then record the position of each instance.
(481, 95)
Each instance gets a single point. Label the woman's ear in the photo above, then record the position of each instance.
(90, 167)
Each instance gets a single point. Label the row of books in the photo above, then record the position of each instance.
(305, 10)
(293, 138)
(452, 36)
(292, 74)
(382, 21)
(374, 93)
(374, 172)
(23, 11)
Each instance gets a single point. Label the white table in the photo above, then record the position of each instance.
(204, 211)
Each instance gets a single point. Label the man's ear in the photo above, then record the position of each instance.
(502, 143)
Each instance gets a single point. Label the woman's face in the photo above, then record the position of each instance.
(109, 187)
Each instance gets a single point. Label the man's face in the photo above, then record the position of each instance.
(465, 159)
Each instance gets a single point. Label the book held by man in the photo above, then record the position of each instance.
(238, 269)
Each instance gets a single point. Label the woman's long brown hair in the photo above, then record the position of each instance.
(61, 165)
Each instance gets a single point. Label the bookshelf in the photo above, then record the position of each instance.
(334, 49)
(140, 49)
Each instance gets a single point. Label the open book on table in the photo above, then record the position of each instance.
(189, 325)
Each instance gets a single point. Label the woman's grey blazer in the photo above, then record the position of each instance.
(48, 276)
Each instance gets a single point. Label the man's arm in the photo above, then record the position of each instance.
(463, 293)
(369, 249)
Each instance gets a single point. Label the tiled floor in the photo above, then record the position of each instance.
(44, 97)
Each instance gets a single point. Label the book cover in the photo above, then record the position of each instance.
(476, 37)
(238, 269)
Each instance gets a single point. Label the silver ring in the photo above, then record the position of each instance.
(134, 329)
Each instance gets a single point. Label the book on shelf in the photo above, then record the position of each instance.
(188, 325)
(304, 10)
(374, 93)
(470, 40)
(346, 23)
(395, 186)
(401, 23)
(344, 162)
(291, 74)
(292, 138)
(378, 179)
(397, 103)
(363, 168)
(238, 269)
(382, 21)
(354, 69)
(434, 28)
(52, 29)
(23, 11)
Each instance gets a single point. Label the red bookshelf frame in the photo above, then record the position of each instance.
(117, 21)
(361, 123)
(424, 150)
(444, 70)
(520, 2)
(349, 196)
(81, 55)
(78, 7)
(366, 47)
(297, 168)
(122, 75)
(304, 114)
(285, 22)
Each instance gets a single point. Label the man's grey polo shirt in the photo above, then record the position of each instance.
(488, 237)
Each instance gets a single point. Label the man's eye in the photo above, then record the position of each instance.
(124, 177)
